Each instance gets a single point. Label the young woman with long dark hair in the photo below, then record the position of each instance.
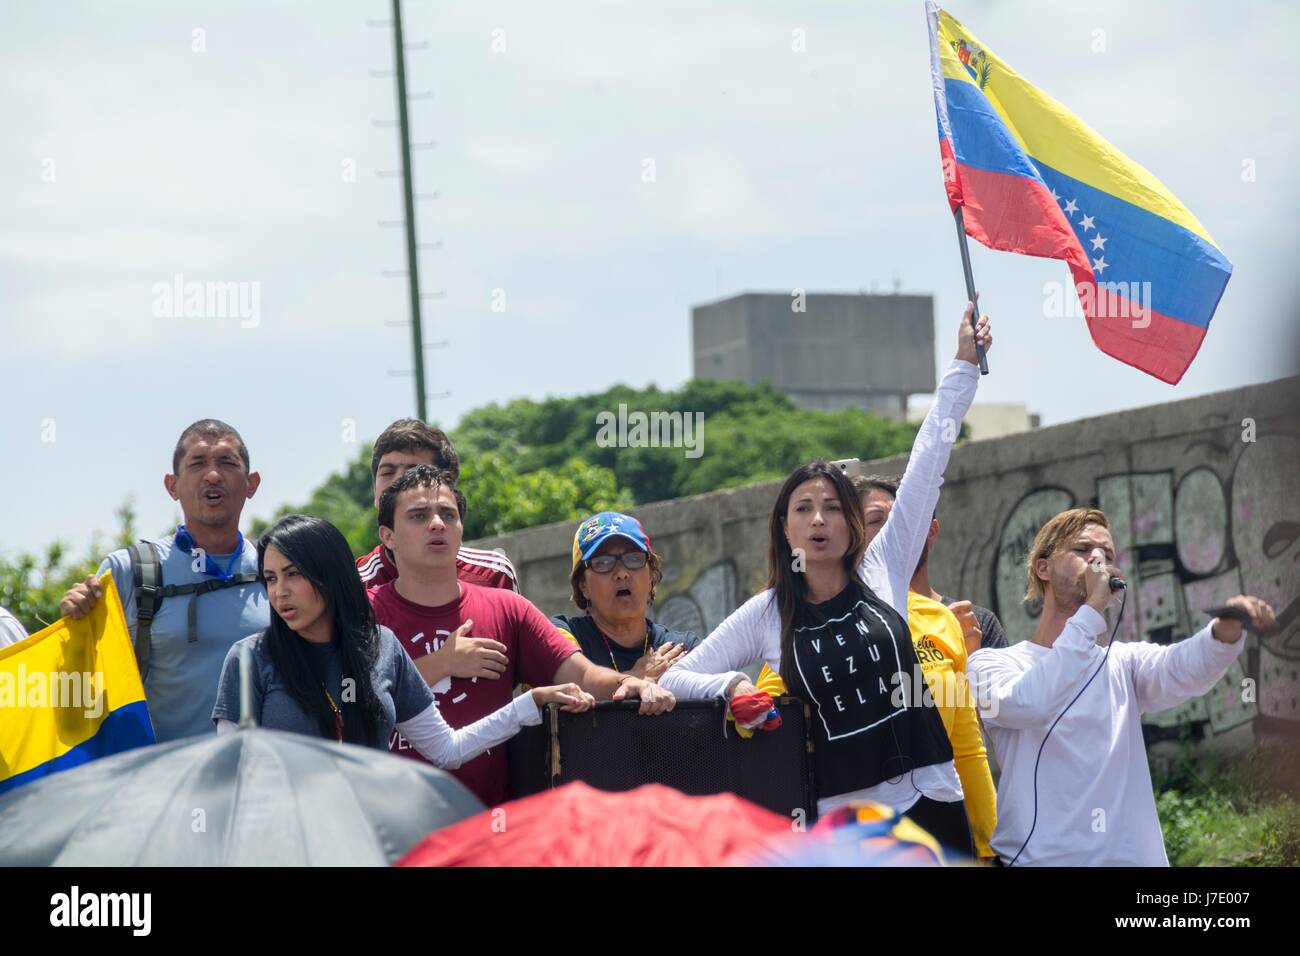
(324, 668)
(833, 623)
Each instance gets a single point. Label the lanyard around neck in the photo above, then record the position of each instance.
(645, 648)
(185, 542)
(338, 714)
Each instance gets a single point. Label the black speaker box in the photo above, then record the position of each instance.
(692, 749)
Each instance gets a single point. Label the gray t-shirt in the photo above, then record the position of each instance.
(183, 675)
(402, 692)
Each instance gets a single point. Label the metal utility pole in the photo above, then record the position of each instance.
(408, 198)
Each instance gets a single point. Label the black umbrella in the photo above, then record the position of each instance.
(251, 798)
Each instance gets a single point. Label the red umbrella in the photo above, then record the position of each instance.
(576, 825)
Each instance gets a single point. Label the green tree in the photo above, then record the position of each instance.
(741, 449)
(345, 499)
(31, 585)
(527, 462)
(751, 432)
(500, 498)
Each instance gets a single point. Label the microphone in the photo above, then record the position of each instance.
(1116, 583)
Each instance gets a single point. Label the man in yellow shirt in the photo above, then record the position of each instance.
(941, 649)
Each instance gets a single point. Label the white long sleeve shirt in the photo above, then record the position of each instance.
(448, 747)
(752, 632)
(1095, 802)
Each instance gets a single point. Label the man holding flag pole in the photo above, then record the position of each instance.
(1023, 174)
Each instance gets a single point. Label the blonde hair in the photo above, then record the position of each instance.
(1061, 530)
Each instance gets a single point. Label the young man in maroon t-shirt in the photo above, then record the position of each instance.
(404, 444)
(421, 517)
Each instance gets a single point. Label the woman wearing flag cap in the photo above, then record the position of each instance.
(614, 577)
(833, 624)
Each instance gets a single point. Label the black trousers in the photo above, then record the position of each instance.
(946, 822)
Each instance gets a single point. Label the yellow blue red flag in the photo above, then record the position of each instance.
(71, 693)
(1033, 178)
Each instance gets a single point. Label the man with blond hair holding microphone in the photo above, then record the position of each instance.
(1063, 710)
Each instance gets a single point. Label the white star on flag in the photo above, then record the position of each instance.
(1054, 195)
(1098, 242)
(1099, 265)
(1086, 223)
(1071, 208)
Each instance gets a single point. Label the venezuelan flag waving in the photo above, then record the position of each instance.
(71, 693)
(1033, 178)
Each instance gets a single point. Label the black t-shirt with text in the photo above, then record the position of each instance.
(853, 656)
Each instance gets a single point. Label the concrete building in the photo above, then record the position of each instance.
(838, 351)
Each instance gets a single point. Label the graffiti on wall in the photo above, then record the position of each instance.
(701, 606)
(1188, 540)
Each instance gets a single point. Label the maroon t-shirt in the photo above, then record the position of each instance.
(535, 650)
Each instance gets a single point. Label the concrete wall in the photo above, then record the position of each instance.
(1202, 507)
(985, 420)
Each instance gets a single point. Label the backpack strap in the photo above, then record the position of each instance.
(146, 575)
(200, 588)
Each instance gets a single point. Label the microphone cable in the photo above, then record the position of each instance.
(1105, 657)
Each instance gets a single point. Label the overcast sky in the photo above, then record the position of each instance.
(137, 149)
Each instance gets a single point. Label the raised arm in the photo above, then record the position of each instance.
(1022, 700)
(894, 552)
(1166, 675)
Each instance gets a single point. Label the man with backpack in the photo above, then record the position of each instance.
(190, 595)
